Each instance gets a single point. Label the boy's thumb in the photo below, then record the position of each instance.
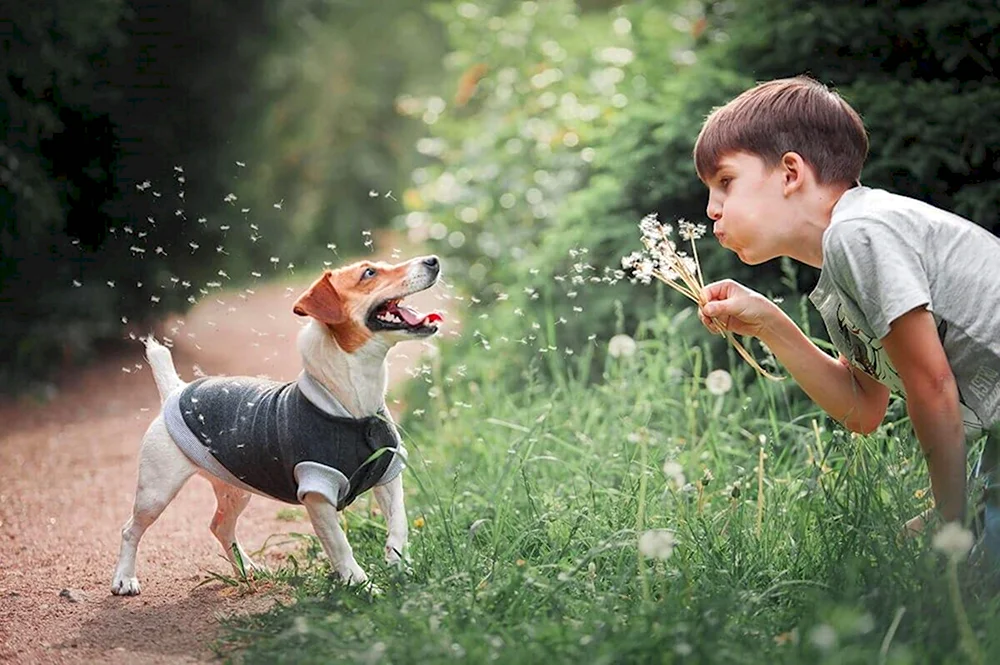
(712, 309)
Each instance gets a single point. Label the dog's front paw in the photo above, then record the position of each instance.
(393, 556)
(352, 575)
(125, 586)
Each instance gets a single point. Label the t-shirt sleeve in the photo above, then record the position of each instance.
(877, 270)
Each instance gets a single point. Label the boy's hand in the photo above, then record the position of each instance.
(916, 525)
(735, 308)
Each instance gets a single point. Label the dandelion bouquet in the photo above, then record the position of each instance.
(662, 260)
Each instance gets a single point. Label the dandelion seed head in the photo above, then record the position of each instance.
(689, 231)
(719, 382)
(953, 540)
(657, 544)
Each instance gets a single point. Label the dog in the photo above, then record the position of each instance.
(319, 441)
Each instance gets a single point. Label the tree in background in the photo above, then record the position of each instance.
(153, 152)
(922, 74)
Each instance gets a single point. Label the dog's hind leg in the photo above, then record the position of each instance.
(163, 470)
(231, 502)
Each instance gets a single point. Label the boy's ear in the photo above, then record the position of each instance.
(794, 168)
(322, 302)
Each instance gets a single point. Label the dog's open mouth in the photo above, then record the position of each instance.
(394, 315)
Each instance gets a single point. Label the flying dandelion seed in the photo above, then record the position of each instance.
(111, 283)
(255, 274)
(277, 206)
(142, 234)
(229, 198)
(244, 210)
(160, 250)
(194, 246)
(154, 298)
(124, 319)
(373, 194)
(203, 220)
(137, 250)
(241, 164)
(220, 250)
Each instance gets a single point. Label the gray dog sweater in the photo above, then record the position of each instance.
(283, 440)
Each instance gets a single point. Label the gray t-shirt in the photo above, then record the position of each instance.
(884, 255)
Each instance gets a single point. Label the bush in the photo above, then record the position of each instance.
(921, 74)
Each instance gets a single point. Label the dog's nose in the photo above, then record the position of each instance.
(432, 262)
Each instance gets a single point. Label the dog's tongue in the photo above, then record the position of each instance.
(413, 317)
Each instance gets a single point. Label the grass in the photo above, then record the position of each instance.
(532, 502)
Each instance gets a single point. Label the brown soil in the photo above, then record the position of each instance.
(67, 480)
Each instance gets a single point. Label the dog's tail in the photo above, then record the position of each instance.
(162, 362)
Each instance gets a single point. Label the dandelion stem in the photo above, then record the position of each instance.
(640, 516)
(969, 643)
(883, 652)
(760, 492)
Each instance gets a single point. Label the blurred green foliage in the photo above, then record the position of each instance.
(523, 213)
(152, 153)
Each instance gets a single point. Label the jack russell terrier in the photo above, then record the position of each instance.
(320, 441)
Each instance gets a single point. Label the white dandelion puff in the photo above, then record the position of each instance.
(719, 382)
(674, 472)
(621, 346)
(953, 540)
(657, 544)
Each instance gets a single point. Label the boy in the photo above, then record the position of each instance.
(910, 294)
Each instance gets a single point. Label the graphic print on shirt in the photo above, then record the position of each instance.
(869, 355)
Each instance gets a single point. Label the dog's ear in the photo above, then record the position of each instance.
(322, 302)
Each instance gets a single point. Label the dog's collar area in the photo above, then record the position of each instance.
(321, 398)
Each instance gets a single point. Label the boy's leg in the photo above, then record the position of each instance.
(988, 512)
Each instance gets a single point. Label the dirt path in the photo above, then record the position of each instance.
(67, 480)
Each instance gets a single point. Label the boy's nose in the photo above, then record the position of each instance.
(713, 210)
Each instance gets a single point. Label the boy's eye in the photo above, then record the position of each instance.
(724, 182)
(368, 273)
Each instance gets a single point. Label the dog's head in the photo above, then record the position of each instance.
(364, 299)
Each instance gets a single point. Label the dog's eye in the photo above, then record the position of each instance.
(368, 273)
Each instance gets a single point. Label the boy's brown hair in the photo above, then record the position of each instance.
(787, 115)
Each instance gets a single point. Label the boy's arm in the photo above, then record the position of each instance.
(850, 396)
(915, 350)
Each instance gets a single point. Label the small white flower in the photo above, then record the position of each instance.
(954, 540)
(719, 382)
(657, 544)
(674, 473)
(621, 346)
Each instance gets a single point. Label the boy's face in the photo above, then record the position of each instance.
(747, 204)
